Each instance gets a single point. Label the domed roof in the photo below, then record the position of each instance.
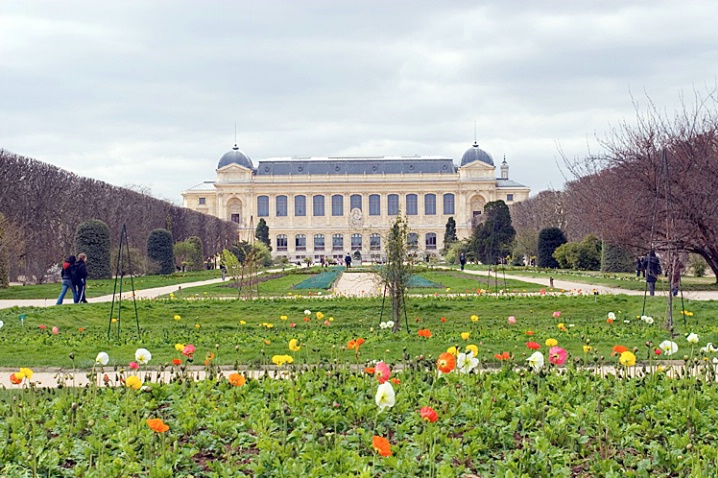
(475, 153)
(235, 157)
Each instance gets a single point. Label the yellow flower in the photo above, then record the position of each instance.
(294, 345)
(267, 342)
(561, 327)
(114, 320)
(282, 317)
(27, 373)
(280, 360)
(172, 296)
(627, 359)
(320, 316)
(448, 289)
(179, 347)
(177, 317)
(331, 319)
(474, 318)
(551, 342)
(465, 335)
(242, 322)
(473, 348)
(197, 326)
(452, 350)
(587, 348)
(133, 382)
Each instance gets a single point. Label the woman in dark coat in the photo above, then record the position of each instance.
(68, 269)
(80, 277)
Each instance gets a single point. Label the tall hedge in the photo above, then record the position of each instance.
(617, 258)
(4, 270)
(93, 238)
(197, 258)
(160, 250)
(549, 239)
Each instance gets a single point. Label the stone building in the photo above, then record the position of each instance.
(328, 207)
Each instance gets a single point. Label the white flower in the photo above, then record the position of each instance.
(668, 347)
(2, 324)
(626, 321)
(536, 361)
(715, 359)
(612, 316)
(143, 356)
(102, 358)
(692, 338)
(385, 396)
(709, 348)
(465, 363)
(647, 319)
(383, 325)
(390, 324)
(307, 312)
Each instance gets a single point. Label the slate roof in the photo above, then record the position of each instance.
(354, 166)
(203, 186)
(508, 183)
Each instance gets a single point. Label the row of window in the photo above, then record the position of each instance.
(300, 241)
(355, 202)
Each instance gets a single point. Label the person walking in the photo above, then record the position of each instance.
(462, 260)
(640, 268)
(80, 277)
(68, 269)
(674, 275)
(348, 261)
(652, 266)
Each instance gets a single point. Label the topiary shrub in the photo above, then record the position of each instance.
(93, 238)
(160, 251)
(196, 259)
(549, 239)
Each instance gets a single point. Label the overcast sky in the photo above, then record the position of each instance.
(148, 92)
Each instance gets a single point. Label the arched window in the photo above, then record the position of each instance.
(374, 205)
(429, 204)
(318, 242)
(300, 242)
(375, 242)
(337, 205)
(281, 242)
(356, 241)
(318, 203)
(392, 204)
(449, 203)
(281, 206)
(262, 206)
(300, 205)
(355, 201)
(413, 240)
(412, 205)
(338, 242)
(430, 240)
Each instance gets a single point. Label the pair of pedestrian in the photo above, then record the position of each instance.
(74, 278)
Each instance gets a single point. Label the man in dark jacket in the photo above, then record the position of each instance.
(68, 269)
(652, 266)
(80, 277)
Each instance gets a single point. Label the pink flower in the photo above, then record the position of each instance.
(382, 372)
(542, 292)
(557, 355)
(292, 325)
(557, 314)
(42, 327)
(188, 350)
(512, 320)
(134, 365)
(327, 323)
(55, 331)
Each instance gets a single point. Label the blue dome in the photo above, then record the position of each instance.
(235, 157)
(475, 153)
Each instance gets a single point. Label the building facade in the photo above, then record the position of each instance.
(330, 207)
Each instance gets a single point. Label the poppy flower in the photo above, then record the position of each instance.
(668, 347)
(294, 345)
(16, 379)
(443, 319)
(561, 327)
(381, 445)
(465, 335)
(355, 344)
(42, 327)
(424, 333)
(142, 356)
(557, 314)
(446, 362)
(619, 349)
(102, 358)
(557, 355)
(179, 347)
(385, 396)
(55, 331)
(176, 361)
(609, 320)
(551, 342)
(209, 358)
(529, 332)
(627, 359)
(473, 349)
(236, 379)
(536, 361)
(382, 372)
(395, 381)
(474, 318)
(133, 382)
(503, 356)
(370, 370)
(428, 414)
(188, 350)
(533, 345)
(133, 365)
(157, 425)
(511, 320)
(177, 317)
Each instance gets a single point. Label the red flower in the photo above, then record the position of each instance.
(381, 445)
(619, 349)
(425, 333)
(428, 414)
(503, 356)
(533, 345)
(443, 319)
(370, 370)
(529, 332)
(176, 361)
(658, 351)
(15, 380)
(42, 327)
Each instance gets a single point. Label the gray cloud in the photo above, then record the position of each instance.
(147, 92)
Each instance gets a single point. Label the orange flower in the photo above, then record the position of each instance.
(236, 379)
(425, 333)
(210, 357)
(533, 345)
(15, 379)
(428, 414)
(355, 344)
(176, 361)
(609, 320)
(157, 425)
(370, 370)
(529, 332)
(619, 349)
(395, 381)
(381, 445)
(446, 362)
(443, 319)
(503, 356)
